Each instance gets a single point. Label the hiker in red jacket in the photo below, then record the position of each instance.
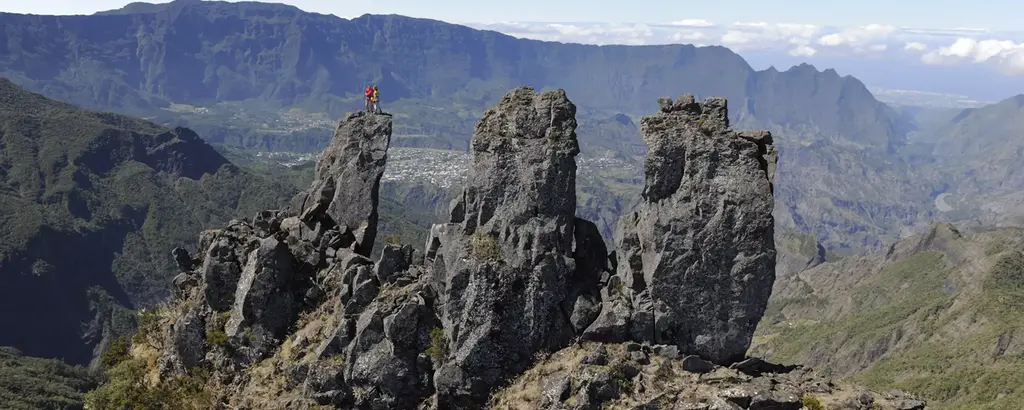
(369, 97)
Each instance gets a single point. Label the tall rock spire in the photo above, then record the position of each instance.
(696, 259)
(505, 262)
(347, 183)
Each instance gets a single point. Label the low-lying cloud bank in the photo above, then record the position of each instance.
(1003, 51)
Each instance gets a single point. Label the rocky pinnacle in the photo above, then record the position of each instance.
(347, 183)
(696, 260)
(504, 263)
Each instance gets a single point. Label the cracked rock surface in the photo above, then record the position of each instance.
(514, 302)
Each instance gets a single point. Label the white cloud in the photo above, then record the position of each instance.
(1007, 56)
(692, 23)
(764, 35)
(859, 38)
(684, 37)
(759, 24)
(804, 51)
(810, 41)
(915, 46)
(734, 37)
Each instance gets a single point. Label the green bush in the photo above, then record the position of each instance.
(32, 383)
(149, 323)
(117, 352)
(127, 388)
(1008, 272)
(437, 349)
(995, 247)
(216, 337)
(812, 403)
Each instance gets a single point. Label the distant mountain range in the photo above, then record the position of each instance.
(148, 56)
(846, 172)
(143, 58)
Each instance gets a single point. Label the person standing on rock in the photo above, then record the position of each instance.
(369, 96)
(376, 100)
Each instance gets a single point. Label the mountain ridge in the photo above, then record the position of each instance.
(89, 198)
(348, 53)
(934, 314)
(248, 61)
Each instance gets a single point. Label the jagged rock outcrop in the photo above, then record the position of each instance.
(504, 264)
(696, 260)
(255, 278)
(288, 311)
(347, 182)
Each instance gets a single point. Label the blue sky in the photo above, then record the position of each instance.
(990, 14)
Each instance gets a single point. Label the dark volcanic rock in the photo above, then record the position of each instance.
(505, 262)
(347, 183)
(288, 311)
(696, 259)
(571, 380)
(264, 303)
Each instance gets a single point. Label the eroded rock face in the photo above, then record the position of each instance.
(505, 263)
(289, 311)
(696, 260)
(347, 181)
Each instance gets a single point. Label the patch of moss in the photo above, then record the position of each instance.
(438, 345)
(216, 337)
(485, 247)
(812, 403)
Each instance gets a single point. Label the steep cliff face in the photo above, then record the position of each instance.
(504, 264)
(696, 260)
(286, 310)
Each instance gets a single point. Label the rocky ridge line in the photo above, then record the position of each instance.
(287, 311)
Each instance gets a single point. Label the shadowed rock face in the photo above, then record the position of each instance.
(696, 260)
(347, 183)
(505, 262)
